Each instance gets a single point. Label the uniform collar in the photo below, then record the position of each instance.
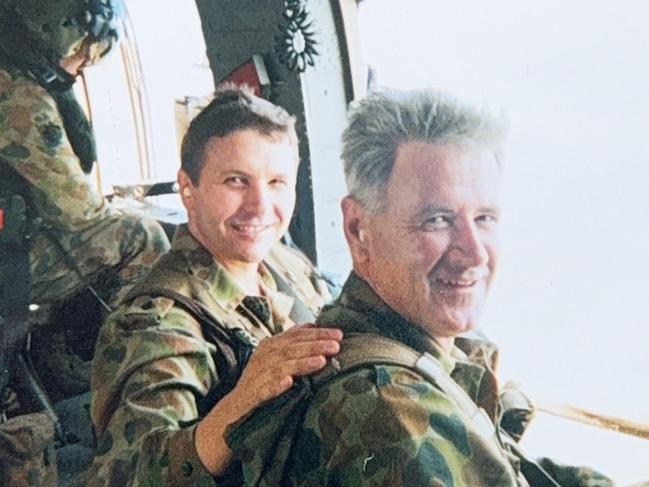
(359, 309)
(210, 274)
(280, 304)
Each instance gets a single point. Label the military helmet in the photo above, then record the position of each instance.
(60, 28)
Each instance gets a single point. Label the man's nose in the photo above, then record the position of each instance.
(257, 198)
(468, 247)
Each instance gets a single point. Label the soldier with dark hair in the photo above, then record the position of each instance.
(178, 361)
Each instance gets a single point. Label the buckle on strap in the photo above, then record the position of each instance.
(430, 367)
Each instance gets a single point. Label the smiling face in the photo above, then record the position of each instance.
(431, 254)
(244, 200)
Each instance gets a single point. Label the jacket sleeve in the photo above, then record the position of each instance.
(33, 142)
(385, 426)
(150, 367)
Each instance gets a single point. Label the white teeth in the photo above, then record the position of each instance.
(447, 282)
(250, 228)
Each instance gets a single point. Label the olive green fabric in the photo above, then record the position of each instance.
(27, 451)
(82, 237)
(155, 365)
(385, 424)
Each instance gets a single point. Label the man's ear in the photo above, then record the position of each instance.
(186, 189)
(354, 224)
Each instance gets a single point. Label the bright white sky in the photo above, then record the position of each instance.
(569, 309)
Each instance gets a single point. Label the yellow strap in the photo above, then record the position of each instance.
(581, 415)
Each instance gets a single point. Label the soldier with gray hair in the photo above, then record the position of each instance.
(407, 401)
(382, 122)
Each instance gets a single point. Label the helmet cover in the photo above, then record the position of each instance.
(62, 27)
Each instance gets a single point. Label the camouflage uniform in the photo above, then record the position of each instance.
(27, 451)
(154, 368)
(81, 233)
(384, 424)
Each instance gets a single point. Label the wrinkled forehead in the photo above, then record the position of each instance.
(444, 175)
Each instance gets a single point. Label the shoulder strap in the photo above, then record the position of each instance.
(359, 350)
(233, 351)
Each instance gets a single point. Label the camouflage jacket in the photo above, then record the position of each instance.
(384, 424)
(154, 367)
(81, 234)
(34, 143)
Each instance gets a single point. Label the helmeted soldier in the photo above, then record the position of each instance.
(47, 150)
(47, 145)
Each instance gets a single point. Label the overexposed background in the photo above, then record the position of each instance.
(163, 56)
(569, 308)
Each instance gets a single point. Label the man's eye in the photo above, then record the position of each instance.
(235, 181)
(487, 219)
(436, 222)
(278, 183)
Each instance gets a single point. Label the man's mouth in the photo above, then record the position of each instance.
(458, 284)
(455, 283)
(250, 229)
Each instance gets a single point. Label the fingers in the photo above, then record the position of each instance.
(305, 349)
(310, 329)
(265, 358)
(303, 333)
(295, 344)
(247, 395)
(275, 363)
(271, 390)
(281, 378)
(270, 373)
(305, 366)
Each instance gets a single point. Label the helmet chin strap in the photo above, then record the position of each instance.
(19, 51)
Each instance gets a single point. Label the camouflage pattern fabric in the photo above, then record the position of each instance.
(571, 476)
(27, 451)
(62, 26)
(382, 424)
(153, 366)
(81, 233)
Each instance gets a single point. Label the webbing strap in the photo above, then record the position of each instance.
(360, 350)
(364, 349)
(14, 281)
(300, 312)
(232, 350)
(367, 349)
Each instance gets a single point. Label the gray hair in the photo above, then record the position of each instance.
(384, 120)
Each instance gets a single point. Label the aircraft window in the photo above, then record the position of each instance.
(569, 306)
(136, 93)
